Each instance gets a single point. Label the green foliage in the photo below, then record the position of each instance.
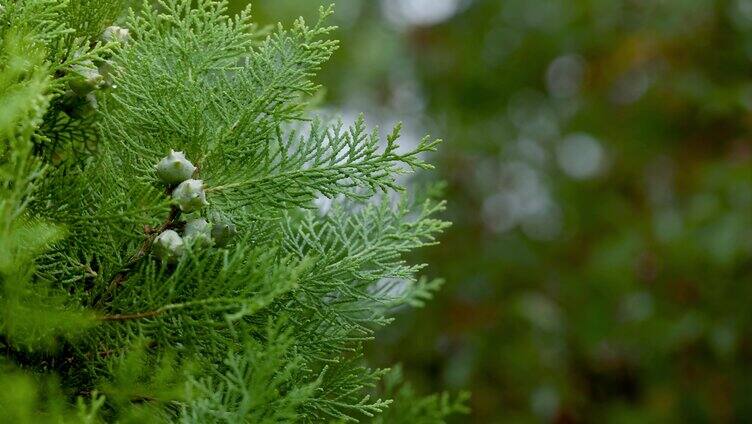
(23, 90)
(258, 384)
(269, 328)
(88, 17)
(31, 400)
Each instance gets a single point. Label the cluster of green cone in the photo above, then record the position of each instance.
(189, 197)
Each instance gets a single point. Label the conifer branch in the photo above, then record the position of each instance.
(273, 319)
(151, 234)
(125, 317)
(229, 303)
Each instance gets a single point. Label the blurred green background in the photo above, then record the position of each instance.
(599, 168)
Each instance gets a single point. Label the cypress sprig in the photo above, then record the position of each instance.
(261, 314)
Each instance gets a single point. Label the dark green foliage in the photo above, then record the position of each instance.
(268, 328)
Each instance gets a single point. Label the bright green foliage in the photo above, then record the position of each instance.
(254, 386)
(24, 96)
(24, 85)
(267, 329)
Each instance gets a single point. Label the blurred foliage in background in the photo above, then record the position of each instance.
(598, 157)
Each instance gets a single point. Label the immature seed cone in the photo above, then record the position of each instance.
(106, 69)
(222, 233)
(174, 168)
(168, 246)
(87, 78)
(190, 195)
(116, 33)
(198, 232)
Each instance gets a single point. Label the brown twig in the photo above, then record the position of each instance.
(125, 317)
(151, 233)
(166, 308)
